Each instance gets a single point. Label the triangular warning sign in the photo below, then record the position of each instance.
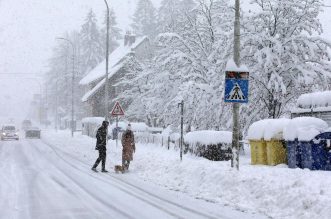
(117, 110)
(236, 93)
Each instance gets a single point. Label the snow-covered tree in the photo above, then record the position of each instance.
(188, 66)
(91, 43)
(144, 19)
(284, 51)
(168, 16)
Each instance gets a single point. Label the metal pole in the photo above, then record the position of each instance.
(116, 130)
(72, 84)
(107, 56)
(236, 106)
(181, 128)
(56, 104)
(72, 90)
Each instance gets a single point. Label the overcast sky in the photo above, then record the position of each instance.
(27, 34)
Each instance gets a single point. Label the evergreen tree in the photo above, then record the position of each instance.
(114, 32)
(144, 19)
(168, 16)
(91, 43)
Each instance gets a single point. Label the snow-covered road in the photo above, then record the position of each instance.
(38, 180)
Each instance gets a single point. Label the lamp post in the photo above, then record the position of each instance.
(107, 56)
(72, 83)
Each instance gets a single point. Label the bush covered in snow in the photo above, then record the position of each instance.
(213, 145)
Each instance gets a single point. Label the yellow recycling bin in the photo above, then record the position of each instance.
(276, 152)
(258, 152)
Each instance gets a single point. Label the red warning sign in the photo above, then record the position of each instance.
(117, 110)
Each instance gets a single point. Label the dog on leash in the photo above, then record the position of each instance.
(119, 168)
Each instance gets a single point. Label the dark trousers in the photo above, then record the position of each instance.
(102, 157)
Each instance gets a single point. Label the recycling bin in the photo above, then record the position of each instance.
(276, 152)
(258, 152)
(317, 154)
(296, 152)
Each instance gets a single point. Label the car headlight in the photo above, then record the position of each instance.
(4, 134)
(16, 133)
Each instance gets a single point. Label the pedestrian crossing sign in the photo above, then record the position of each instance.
(117, 110)
(236, 87)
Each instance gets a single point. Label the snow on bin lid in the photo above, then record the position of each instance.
(313, 100)
(207, 137)
(304, 128)
(267, 129)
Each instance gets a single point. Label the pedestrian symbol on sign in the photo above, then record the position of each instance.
(117, 110)
(236, 93)
(236, 87)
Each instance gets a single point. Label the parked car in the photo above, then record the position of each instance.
(9, 132)
(26, 124)
(32, 132)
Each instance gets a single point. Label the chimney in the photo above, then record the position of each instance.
(132, 39)
(129, 38)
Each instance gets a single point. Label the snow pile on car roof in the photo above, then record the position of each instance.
(208, 137)
(267, 129)
(304, 128)
(313, 100)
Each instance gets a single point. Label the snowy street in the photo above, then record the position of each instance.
(43, 181)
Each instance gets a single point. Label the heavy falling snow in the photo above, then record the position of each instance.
(145, 109)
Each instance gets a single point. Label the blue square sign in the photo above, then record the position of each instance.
(236, 87)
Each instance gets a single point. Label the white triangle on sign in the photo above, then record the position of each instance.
(236, 93)
(117, 110)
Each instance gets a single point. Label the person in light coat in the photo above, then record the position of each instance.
(129, 147)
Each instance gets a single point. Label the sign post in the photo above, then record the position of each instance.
(117, 111)
(236, 92)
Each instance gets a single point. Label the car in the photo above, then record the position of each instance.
(32, 132)
(26, 124)
(9, 132)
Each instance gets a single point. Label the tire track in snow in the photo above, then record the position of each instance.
(83, 188)
(189, 210)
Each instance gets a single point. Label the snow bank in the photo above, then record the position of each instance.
(304, 128)
(267, 129)
(313, 100)
(208, 137)
(278, 192)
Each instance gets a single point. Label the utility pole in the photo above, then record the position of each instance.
(107, 56)
(181, 128)
(236, 106)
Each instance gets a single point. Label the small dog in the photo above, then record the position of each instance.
(119, 168)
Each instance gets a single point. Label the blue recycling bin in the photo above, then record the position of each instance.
(316, 155)
(294, 153)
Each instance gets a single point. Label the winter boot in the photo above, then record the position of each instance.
(104, 171)
(94, 169)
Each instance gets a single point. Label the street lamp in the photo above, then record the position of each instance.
(107, 56)
(72, 81)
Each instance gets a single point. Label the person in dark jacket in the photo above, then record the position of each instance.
(101, 146)
(128, 147)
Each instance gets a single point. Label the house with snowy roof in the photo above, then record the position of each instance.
(129, 57)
